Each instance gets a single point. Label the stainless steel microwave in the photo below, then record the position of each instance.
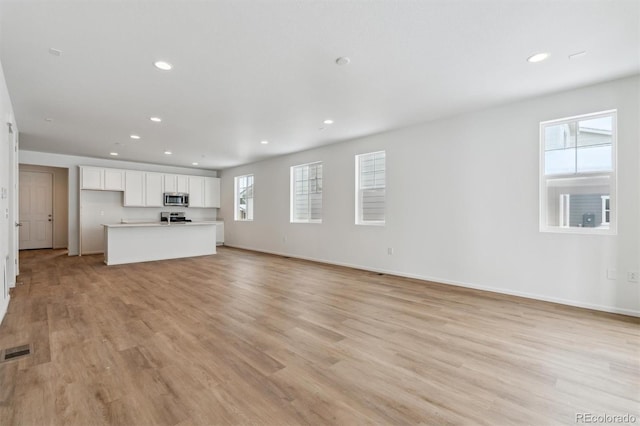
(176, 199)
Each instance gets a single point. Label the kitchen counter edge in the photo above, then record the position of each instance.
(157, 224)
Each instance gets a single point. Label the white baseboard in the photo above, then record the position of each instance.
(596, 307)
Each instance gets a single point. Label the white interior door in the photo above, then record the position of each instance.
(36, 210)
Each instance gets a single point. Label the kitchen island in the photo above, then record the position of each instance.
(144, 242)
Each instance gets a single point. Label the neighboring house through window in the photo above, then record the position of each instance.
(577, 178)
(244, 197)
(306, 193)
(371, 188)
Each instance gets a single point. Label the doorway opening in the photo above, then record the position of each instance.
(43, 207)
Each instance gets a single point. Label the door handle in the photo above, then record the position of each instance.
(18, 224)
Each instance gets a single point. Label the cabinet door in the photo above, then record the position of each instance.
(91, 178)
(170, 183)
(211, 192)
(153, 190)
(134, 188)
(113, 180)
(182, 184)
(196, 191)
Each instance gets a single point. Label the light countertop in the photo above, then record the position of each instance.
(158, 224)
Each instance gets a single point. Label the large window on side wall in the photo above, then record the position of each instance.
(371, 188)
(306, 193)
(243, 197)
(578, 174)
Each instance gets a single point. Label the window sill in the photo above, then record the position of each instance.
(307, 221)
(579, 230)
(371, 223)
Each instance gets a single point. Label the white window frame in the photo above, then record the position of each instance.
(236, 198)
(292, 194)
(359, 191)
(565, 211)
(606, 210)
(612, 177)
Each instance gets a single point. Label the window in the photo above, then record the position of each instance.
(306, 193)
(244, 197)
(577, 179)
(370, 188)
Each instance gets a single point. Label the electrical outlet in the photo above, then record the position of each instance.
(612, 274)
(284, 238)
(390, 251)
(632, 276)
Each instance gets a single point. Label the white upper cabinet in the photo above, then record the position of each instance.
(170, 183)
(212, 192)
(154, 189)
(113, 180)
(146, 189)
(102, 179)
(134, 183)
(183, 184)
(204, 192)
(176, 183)
(196, 191)
(91, 178)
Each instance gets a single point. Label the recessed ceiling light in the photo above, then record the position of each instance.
(264, 142)
(155, 119)
(328, 121)
(134, 137)
(55, 52)
(343, 60)
(194, 164)
(163, 65)
(168, 153)
(538, 57)
(577, 54)
(48, 120)
(115, 154)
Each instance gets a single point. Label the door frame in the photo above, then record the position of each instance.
(13, 264)
(53, 203)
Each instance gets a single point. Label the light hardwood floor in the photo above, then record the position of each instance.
(249, 338)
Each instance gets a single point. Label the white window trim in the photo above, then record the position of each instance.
(236, 199)
(565, 211)
(604, 199)
(358, 198)
(613, 176)
(292, 194)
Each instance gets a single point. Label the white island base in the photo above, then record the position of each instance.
(144, 242)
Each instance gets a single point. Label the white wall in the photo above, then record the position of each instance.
(72, 162)
(7, 161)
(462, 199)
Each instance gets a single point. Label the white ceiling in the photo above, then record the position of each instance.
(245, 71)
